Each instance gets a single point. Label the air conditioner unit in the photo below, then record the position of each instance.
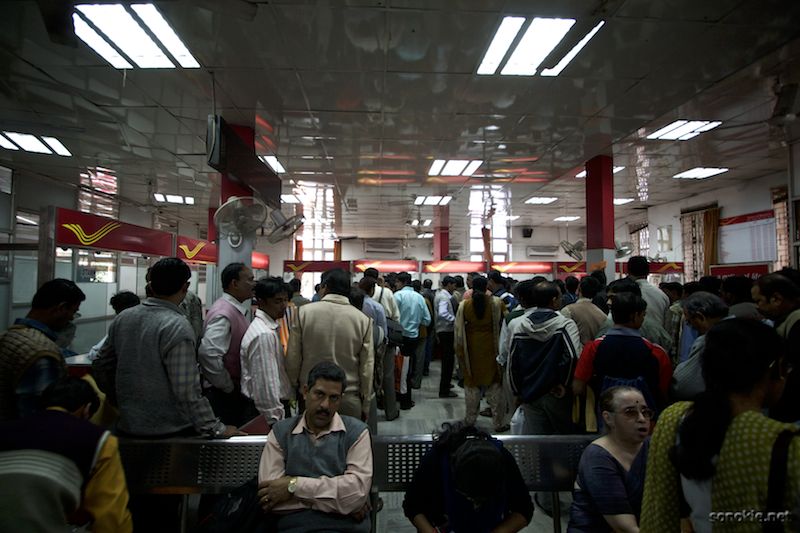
(541, 250)
(383, 246)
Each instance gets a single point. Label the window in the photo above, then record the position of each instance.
(692, 230)
(486, 201)
(318, 209)
(640, 238)
(98, 192)
(780, 205)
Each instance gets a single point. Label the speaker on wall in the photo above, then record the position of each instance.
(527, 232)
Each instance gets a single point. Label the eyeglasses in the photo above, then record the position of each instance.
(634, 412)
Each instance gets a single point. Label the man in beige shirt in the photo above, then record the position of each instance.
(316, 469)
(589, 318)
(333, 330)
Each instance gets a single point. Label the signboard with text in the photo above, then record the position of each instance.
(524, 267)
(259, 261)
(751, 270)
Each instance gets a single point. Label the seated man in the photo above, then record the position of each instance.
(316, 469)
(58, 468)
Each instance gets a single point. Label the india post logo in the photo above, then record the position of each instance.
(194, 251)
(92, 238)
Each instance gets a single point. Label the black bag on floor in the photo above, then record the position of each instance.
(237, 511)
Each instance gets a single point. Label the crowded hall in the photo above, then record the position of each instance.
(399, 265)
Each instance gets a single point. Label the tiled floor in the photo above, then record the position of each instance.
(426, 416)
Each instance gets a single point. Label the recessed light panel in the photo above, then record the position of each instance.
(57, 147)
(541, 200)
(174, 199)
(683, 130)
(502, 40)
(164, 32)
(28, 142)
(273, 163)
(436, 167)
(454, 167)
(541, 37)
(622, 201)
(566, 219)
(555, 71)
(699, 173)
(189, 200)
(289, 199)
(159, 197)
(8, 145)
(582, 173)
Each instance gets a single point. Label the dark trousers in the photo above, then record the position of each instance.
(409, 349)
(232, 408)
(446, 340)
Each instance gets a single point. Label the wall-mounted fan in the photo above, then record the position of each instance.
(239, 216)
(624, 249)
(574, 250)
(283, 227)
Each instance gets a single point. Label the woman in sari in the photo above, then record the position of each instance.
(477, 336)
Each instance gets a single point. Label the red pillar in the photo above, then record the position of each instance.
(441, 232)
(600, 202)
(600, 213)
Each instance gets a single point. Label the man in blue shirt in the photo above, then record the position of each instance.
(413, 312)
(497, 284)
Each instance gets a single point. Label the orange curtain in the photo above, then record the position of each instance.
(337, 250)
(298, 250)
(710, 238)
(486, 233)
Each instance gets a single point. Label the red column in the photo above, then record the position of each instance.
(600, 203)
(441, 232)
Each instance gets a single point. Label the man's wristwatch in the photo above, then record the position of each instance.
(292, 485)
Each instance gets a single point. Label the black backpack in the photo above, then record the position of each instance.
(536, 366)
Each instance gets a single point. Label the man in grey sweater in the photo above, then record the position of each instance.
(148, 365)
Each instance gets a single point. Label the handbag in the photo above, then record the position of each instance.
(394, 333)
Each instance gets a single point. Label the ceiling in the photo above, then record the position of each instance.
(364, 95)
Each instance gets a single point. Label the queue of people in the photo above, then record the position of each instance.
(702, 368)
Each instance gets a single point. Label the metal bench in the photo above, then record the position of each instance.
(197, 466)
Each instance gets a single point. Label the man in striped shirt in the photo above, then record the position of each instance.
(264, 378)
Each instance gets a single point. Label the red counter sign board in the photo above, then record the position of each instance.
(524, 267)
(655, 268)
(386, 265)
(314, 266)
(259, 261)
(195, 251)
(74, 228)
(453, 267)
(751, 270)
(572, 267)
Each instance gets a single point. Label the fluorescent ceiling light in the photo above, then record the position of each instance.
(415, 222)
(427, 222)
(472, 167)
(57, 147)
(26, 220)
(454, 167)
(432, 200)
(555, 71)
(120, 27)
(436, 167)
(566, 219)
(502, 40)
(699, 173)
(541, 37)
(174, 199)
(189, 200)
(159, 197)
(541, 200)
(582, 173)
(425, 236)
(289, 199)
(492, 128)
(28, 142)
(99, 44)
(683, 130)
(622, 201)
(274, 164)
(8, 145)
(164, 32)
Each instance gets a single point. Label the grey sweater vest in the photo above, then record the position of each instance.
(141, 336)
(325, 457)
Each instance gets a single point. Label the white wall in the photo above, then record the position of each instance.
(552, 236)
(133, 215)
(746, 197)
